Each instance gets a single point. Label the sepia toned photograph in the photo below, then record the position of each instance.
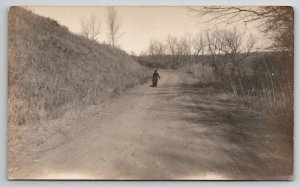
(150, 93)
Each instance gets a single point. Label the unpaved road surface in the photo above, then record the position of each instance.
(175, 131)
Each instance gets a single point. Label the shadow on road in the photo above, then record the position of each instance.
(175, 131)
(216, 136)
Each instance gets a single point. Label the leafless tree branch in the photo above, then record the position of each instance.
(114, 25)
(90, 28)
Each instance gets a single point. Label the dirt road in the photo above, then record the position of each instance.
(175, 131)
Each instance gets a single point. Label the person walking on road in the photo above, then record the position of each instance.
(155, 78)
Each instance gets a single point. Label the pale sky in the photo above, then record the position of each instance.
(139, 24)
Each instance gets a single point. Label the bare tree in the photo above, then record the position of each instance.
(185, 44)
(227, 49)
(172, 45)
(280, 23)
(114, 25)
(90, 28)
(230, 43)
(199, 43)
(276, 21)
(214, 46)
(237, 47)
(171, 49)
(156, 48)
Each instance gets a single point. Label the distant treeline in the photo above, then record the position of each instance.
(169, 61)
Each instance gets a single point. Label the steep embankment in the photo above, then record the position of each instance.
(53, 71)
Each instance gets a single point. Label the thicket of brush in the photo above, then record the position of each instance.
(52, 70)
(265, 77)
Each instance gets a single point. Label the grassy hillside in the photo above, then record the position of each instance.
(55, 73)
(52, 70)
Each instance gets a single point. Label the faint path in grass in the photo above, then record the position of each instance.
(179, 130)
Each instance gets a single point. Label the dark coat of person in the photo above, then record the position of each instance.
(155, 78)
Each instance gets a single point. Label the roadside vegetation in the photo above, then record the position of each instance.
(258, 82)
(232, 60)
(53, 72)
(228, 60)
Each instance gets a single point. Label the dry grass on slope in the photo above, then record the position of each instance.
(53, 71)
(51, 68)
